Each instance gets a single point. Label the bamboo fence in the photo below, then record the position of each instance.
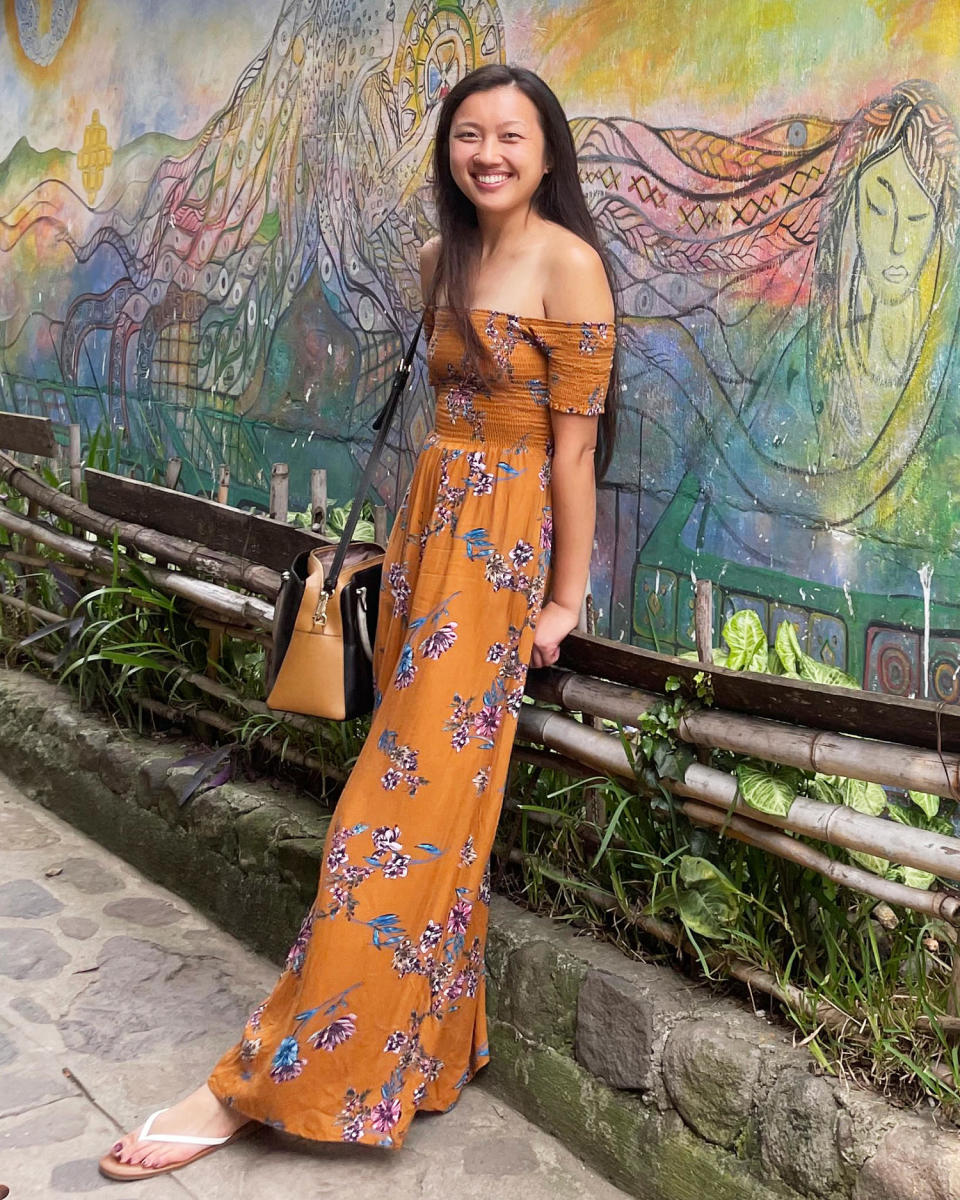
(571, 726)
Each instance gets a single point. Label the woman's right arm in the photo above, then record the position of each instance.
(429, 256)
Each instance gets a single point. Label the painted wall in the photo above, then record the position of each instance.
(210, 216)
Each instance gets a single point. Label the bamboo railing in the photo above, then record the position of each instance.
(230, 596)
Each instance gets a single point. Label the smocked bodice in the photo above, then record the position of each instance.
(542, 364)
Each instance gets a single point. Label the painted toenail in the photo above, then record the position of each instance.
(118, 1147)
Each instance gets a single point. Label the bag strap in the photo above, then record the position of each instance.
(381, 424)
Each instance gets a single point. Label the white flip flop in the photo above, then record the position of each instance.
(112, 1169)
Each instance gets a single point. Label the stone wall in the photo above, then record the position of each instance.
(672, 1092)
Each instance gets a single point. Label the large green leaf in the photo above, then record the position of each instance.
(787, 646)
(928, 803)
(879, 866)
(745, 636)
(869, 798)
(768, 786)
(913, 877)
(707, 902)
(911, 815)
(820, 672)
(825, 788)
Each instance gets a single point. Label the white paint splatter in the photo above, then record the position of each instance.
(926, 574)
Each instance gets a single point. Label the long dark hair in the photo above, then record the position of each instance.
(559, 198)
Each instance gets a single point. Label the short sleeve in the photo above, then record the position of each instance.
(580, 359)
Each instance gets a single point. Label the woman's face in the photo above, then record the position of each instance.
(896, 225)
(497, 150)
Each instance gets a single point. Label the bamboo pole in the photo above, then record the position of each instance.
(834, 824)
(239, 632)
(703, 620)
(236, 607)
(380, 524)
(23, 606)
(279, 492)
(224, 568)
(75, 460)
(889, 763)
(318, 500)
(171, 474)
(934, 904)
(223, 484)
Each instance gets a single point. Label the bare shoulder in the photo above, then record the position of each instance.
(576, 287)
(429, 257)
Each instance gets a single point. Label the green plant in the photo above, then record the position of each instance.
(888, 985)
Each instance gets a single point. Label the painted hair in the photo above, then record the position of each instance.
(914, 119)
(559, 198)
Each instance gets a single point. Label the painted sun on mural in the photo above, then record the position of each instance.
(788, 290)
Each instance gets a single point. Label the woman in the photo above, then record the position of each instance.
(380, 1009)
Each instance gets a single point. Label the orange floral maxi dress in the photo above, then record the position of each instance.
(379, 1010)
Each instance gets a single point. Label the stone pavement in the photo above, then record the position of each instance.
(120, 983)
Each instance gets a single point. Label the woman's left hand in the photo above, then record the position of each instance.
(553, 626)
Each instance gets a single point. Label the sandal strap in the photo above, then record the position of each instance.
(178, 1139)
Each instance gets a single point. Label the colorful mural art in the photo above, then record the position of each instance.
(228, 277)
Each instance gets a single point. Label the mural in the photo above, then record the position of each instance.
(239, 291)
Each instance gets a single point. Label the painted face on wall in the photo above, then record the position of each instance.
(896, 225)
(497, 149)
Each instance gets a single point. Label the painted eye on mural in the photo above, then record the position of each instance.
(794, 133)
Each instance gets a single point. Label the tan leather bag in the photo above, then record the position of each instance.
(323, 641)
(325, 617)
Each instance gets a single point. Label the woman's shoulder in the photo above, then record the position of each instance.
(575, 281)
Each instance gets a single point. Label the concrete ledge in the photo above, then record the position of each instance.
(671, 1092)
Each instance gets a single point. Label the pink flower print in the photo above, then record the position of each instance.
(396, 868)
(249, 1049)
(521, 554)
(418, 1094)
(440, 642)
(468, 855)
(395, 1042)
(385, 1115)
(387, 837)
(405, 757)
(481, 779)
(405, 669)
(496, 652)
(546, 533)
(483, 893)
(460, 738)
(487, 721)
(336, 1033)
(287, 1063)
(391, 779)
(254, 1021)
(431, 935)
(353, 1131)
(298, 951)
(514, 702)
(459, 917)
(337, 854)
(340, 894)
(405, 960)
(544, 474)
(396, 578)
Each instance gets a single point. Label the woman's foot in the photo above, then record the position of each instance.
(201, 1114)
